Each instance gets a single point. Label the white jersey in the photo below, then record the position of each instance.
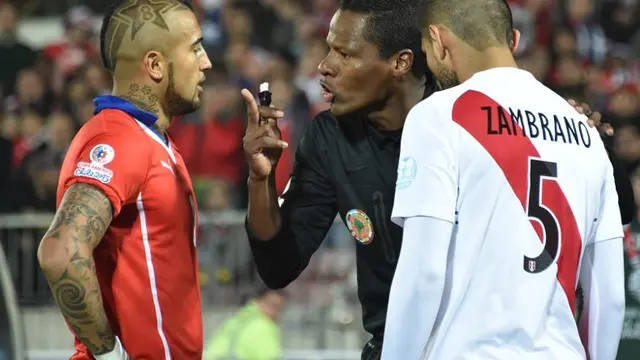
(528, 184)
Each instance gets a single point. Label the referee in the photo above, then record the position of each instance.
(347, 161)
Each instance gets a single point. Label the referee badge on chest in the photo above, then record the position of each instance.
(360, 226)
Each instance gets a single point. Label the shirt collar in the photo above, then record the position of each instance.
(114, 102)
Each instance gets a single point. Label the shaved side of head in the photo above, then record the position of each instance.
(134, 27)
(480, 23)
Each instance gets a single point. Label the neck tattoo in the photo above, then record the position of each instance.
(143, 97)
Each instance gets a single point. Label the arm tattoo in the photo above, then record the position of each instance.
(135, 15)
(143, 98)
(78, 226)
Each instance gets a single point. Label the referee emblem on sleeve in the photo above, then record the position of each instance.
(360, 226)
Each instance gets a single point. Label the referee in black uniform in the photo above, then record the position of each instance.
(346, 162)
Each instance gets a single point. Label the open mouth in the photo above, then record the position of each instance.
(200, 86)
(327, 95)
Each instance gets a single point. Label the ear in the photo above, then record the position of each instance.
(515, 39)
(154, 64)
(402, 63)
(437, 43)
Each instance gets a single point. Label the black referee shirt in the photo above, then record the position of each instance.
(342, 166)
(346, 166)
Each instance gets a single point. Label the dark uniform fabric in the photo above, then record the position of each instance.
(626, 200)
(341, 164)
(372, 350)
(629, 348)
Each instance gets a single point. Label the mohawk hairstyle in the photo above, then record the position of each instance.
(133, 15)
(480, 23)
(392, 25)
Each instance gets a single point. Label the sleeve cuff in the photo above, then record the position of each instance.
(113, 197)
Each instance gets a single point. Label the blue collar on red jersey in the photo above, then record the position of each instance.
(114, 102)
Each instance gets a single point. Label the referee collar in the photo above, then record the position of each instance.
(114, 102)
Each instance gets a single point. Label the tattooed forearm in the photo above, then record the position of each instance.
(66, 257)
(143, 97)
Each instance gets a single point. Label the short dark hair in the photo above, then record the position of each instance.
(108, 58)
(480, 23)
(392, 25)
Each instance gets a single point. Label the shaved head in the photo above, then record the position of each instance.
(154, 51)
(134, 27)
(480, 23)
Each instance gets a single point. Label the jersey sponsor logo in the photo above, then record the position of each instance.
(360, 226)
(406, 172)
(100, 155)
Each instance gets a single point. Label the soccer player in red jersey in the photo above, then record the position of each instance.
(120, 255)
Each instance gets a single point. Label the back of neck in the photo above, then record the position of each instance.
(489, 59)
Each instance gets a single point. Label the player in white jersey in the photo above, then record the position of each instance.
(507, 200)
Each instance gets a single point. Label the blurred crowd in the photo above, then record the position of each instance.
(584, 49)
(588, 50)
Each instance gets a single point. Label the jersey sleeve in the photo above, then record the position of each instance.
(609, 223)
(308, 207)
(427, 183)
(111, 160)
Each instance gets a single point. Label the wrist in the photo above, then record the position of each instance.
(117, 353)
(254, 179)
(260, 180)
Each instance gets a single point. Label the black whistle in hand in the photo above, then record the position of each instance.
(264, 97)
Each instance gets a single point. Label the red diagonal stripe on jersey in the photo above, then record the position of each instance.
(512, 154)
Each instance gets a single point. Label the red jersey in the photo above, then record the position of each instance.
(146, 263)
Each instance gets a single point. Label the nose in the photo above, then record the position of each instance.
(206, 63)
(326, 68)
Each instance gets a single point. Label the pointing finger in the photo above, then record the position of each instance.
(252, 107)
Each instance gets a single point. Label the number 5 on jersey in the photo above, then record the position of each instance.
(537, 212)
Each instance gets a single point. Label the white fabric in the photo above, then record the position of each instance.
(495, 175)
(602, 282)
(417, 288)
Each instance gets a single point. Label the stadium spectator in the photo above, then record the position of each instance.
(251, 41)
(252, 333)
(76, 48)
(15, 55)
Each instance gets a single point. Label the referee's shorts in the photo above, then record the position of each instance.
(372, 350)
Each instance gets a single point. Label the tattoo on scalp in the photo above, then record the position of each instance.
(143, 98)
(134, 15)
(79, 224)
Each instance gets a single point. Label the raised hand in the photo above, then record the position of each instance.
(262, 141)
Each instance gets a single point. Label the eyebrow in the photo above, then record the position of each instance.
(197, 41)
